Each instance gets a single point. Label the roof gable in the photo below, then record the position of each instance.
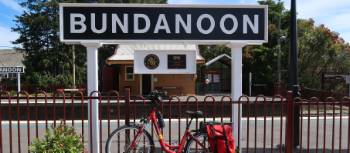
(124, 54)
(223, 58)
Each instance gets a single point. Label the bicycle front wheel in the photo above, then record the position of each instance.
(120, 141)
(198, 144)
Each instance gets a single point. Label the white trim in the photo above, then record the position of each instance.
(160, 5)
(216, 59)
(121, 41)
(266, 24)
(180, 41)
(61, 22)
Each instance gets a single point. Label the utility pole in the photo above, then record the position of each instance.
(293, 69)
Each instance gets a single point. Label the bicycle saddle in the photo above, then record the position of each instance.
(194, 114)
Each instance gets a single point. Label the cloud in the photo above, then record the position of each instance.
(334, 14)
(12, 4)
(6, 37)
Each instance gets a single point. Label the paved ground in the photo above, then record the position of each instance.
(259, 142)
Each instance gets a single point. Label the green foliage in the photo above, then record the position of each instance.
(61, 139)
(320, 51)
(262, 59)
(49, 62)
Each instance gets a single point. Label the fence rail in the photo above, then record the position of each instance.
(266, 123)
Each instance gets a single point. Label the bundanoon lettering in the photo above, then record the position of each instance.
(115, 22)
(120, 23)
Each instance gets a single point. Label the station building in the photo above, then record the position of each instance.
(121, 71)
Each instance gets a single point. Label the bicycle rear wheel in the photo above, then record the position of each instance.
(120, 141)
(198, 144)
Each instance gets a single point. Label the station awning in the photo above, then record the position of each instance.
(124, 54)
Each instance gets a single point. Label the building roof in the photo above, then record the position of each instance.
(10, 58)
(124, 54)
(224, 58)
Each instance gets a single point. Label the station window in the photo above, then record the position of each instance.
(129, 73)
(213, 78)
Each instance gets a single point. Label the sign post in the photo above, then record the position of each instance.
(232, 25)
(92, 86)
(236, 87)
(14, 70)
(18, 82)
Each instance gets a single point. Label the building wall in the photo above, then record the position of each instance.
(133, 85)
(174, 84)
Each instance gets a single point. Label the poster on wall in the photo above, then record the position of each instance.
(177, 61)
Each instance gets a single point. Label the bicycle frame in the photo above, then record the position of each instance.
(168, 148)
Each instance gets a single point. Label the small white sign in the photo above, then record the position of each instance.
(144, 60)
(17, 69)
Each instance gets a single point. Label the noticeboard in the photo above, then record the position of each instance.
(177, 61)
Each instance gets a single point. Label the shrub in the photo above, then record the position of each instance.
(61, 139)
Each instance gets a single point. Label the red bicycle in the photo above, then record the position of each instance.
(135, 137)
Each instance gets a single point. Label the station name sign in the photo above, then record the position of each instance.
(11, 70)
(163, 22)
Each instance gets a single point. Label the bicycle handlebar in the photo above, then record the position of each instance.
(155, 97)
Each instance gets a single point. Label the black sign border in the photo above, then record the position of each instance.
(61, 5)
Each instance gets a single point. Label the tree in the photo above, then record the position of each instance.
(260, 59)
(320, 51)
(48, 62)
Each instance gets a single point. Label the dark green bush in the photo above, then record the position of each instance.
(61, 139)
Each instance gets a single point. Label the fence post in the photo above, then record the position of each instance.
(290, 123)
(127, 106)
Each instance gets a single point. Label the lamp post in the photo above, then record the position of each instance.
(293, 68)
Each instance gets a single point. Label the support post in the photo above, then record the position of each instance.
(290, 123)
(73, 65)
(18, 82)
(127, 106)
(236, 88)
(92, 85)
(250, 83)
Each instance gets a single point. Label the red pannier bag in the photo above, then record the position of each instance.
(220, 138)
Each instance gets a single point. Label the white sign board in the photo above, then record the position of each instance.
(17, 69)
(165, 62)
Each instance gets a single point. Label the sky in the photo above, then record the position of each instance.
(335, 14)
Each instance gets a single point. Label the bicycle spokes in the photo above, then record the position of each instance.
(129, 140)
